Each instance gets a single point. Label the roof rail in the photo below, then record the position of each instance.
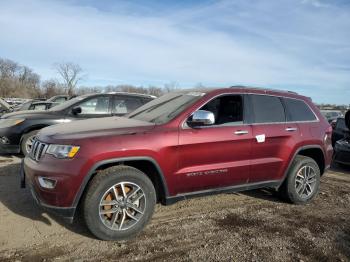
(266, 89)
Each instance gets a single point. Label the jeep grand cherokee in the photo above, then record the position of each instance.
(181, 145)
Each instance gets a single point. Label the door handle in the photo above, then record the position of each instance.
(241, 132)
(291, 129)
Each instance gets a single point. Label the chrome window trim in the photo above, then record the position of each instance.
(185, 126)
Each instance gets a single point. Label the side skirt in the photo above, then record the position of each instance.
(230, 189)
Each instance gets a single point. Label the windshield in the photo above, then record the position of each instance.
(167, 107)
(67, 104)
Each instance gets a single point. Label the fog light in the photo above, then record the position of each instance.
(47, 182)
(4, 140)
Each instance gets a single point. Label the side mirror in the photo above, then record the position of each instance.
(201, 118)
(76, 110)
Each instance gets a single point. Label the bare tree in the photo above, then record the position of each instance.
(71, 74)
(171, 87)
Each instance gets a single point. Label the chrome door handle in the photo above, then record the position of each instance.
(241, 132)
(291, 129)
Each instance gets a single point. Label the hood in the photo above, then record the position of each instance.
(95, 127)
(30, 114)
(347, 119)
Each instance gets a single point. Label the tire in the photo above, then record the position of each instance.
(107, 186)
(299, 188)
(26, 141)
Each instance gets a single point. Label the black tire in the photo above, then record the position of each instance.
(98, 188)
(288, 190)
(25, 138)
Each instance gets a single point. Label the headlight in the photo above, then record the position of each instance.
(62, 151)
(7, 122)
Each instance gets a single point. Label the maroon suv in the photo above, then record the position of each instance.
(181, 145)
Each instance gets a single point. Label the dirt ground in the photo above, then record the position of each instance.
(253, 226)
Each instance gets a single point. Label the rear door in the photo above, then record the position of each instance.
(218, 155)
(273, 138)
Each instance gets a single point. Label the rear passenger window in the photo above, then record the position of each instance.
(267, 109)
(298, 110)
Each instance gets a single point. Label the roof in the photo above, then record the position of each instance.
(133, 94)
(265, 89)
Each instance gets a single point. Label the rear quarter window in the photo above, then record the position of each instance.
(298, 110)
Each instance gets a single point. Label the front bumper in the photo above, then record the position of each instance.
(59, 200)
(342, 152)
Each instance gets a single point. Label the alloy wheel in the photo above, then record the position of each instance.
(305, 181)
(122, 206)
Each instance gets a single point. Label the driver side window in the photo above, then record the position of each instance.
(228, 109)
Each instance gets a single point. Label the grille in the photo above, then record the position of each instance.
(38, 150)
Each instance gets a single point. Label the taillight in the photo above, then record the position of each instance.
(328, 135)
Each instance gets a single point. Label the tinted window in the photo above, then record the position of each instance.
(227, 109)
(96, 105)
(298, 110)
(267, 109)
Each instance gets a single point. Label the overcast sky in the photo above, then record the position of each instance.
(299, 45)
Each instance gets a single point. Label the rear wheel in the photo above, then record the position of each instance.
(27, 142)
(303, 181)
(118, 203)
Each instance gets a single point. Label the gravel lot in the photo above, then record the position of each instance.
(254, 226)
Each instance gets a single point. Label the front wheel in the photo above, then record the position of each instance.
(303, 181)
(118, 203)
(27, 142)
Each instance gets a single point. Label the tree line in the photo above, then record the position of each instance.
(17, 80)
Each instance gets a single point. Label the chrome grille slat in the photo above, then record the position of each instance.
(38, 150)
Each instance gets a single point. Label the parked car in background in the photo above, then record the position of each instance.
(331, 115)
(342, 146)
(339, 130)
(18, 129)
(59, 99)
(42, 105)
(26, 105)
(181, 145)
(4, 107)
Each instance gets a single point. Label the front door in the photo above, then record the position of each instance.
(218, 155)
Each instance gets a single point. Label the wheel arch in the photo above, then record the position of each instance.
(147, 165)
(30, 129)
(313, 151)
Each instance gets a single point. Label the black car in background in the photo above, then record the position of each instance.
(339, 130)
(18, 129)
(342, 147)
